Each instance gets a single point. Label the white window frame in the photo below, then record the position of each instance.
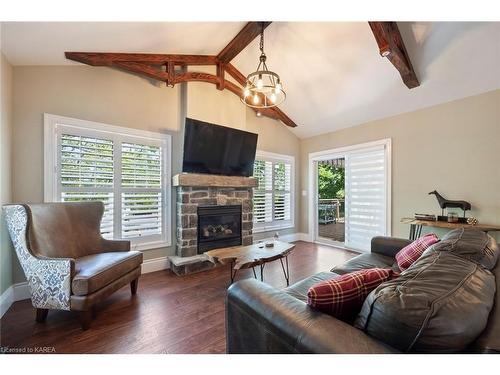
(53, 128)
(340, 152)
(278, 225)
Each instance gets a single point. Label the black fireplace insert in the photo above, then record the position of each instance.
(218, 226)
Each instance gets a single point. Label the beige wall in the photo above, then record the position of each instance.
(453, 148)
(205, 102)
(5, 169)
(114, 97)
(275, 137)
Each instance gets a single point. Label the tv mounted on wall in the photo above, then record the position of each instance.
(215, 149)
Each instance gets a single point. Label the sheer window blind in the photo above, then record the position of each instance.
(366, 196)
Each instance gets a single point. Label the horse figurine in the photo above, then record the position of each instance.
(445, 203)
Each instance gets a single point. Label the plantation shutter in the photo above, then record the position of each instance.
(366, 196)
(141, 190)
(86, 174)
(282, 182)
(128, 170)
(272, 198)
(263, 195)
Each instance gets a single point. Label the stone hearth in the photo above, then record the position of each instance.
(195, 190)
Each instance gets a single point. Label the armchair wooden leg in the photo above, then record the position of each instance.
(41, 315)
(133, 286)
(85, 319)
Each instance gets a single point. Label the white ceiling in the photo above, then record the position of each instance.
(332, 72)
(44, 43)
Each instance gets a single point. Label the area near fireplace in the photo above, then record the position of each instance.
(219, 226)
(212, 211)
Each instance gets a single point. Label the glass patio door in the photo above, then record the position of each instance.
(330, 200)
(351, 195)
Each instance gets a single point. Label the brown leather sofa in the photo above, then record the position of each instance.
(67, 263)
(262, 319)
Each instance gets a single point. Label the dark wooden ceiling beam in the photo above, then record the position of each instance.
(221, 75)
(391, 45)
(241, 40)
(151, 66)
(108, 59)
(273, 112)
(236, 74)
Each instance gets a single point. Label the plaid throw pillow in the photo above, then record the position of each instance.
(410, 253)
(343, 296)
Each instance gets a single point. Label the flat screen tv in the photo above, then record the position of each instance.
(215, 149)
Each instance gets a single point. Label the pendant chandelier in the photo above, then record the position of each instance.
(263, 87)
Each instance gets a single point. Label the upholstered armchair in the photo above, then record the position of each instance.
(68, 264)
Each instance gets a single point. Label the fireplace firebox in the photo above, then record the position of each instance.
(218, 226)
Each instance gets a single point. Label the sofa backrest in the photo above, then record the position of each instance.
(64, 230)
(489, 340)
(441, 303)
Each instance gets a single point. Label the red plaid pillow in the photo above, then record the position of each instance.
(343, 296)
(410, 253)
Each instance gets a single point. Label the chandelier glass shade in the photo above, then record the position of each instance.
(263, 87)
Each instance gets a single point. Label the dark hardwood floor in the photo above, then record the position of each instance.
(169, 314)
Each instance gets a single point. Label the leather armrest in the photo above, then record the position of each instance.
(262, 319)
(115, 245)
(388, 246)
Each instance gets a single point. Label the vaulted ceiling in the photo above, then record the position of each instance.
(332, 72)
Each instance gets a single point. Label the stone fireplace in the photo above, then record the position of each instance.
(212, 212)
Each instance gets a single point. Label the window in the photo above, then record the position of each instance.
(128, 170)
(273, 197)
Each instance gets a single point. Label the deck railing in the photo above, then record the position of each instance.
(330, 210)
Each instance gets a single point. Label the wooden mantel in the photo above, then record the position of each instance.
(210, 180)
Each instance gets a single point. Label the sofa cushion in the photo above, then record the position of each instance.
(366, 261)
(410, 253)
(300, 288)
(94, 272)
(441, 303)
(344, 295)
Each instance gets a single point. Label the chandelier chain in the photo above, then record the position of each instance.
(263, 87)
(262, 38)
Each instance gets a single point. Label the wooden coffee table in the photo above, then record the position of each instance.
(241, 257)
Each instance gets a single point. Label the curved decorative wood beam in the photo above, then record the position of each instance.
(150, 65)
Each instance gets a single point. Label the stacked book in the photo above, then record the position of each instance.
(425, 217)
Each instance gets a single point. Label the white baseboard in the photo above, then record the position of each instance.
(162, 263)
(153, 265)
(304, 237)
(6, 300)
(14, 293)
(292, 237)
(20, 291)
